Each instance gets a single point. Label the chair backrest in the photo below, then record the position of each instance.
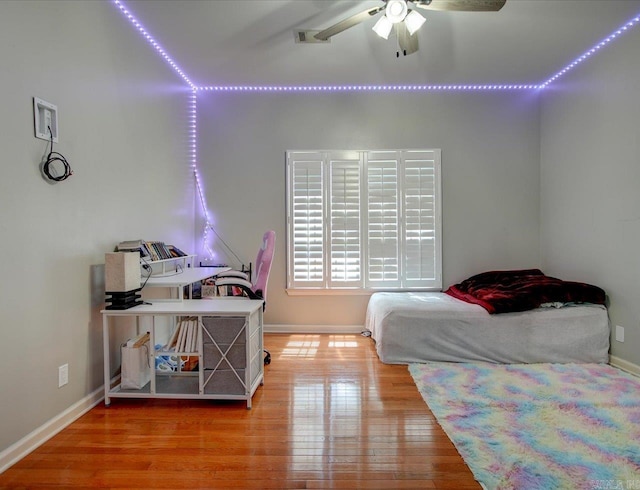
(263, 263)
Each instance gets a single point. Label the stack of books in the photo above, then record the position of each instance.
(185, 337)
(151, 250)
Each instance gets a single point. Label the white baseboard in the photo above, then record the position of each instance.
(329, 329)
(624, 365)
(28, 443)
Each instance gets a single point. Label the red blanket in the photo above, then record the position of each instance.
(521, 290)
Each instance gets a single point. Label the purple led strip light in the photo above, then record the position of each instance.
(362, 88)
(423, 88)
(592, 51)
(193, 114)
(193, 159)
(153, 43)
(372, 88)
(332, 88)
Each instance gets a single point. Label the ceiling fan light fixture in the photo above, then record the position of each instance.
(414, 21)
(396, 10)
(383, 27)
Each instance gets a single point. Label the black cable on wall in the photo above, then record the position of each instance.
(50, 165)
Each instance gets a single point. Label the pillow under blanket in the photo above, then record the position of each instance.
(521, 290)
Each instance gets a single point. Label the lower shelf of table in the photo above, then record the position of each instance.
(180, 387)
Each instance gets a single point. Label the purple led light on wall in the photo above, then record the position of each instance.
(365, 88)
(592, 51)
(192, 117)
(372, 88)
(153, 43)
(193, 160)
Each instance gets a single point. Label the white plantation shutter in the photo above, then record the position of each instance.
(364, 219)
(383, 213)
(421, 221)
(344, 223)
(306, 221)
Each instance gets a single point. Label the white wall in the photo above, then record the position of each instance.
(123, 128)
(490, 174)
(590, 182)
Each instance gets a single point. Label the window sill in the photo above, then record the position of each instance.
(355, 292)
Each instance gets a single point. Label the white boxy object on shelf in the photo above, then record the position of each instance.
(166, 267)
(121, 271)
(157, 258)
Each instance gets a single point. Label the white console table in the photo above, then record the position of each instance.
(229, 350)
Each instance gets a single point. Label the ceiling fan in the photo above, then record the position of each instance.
(402, 17)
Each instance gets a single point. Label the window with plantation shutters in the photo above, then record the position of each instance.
(363, 220)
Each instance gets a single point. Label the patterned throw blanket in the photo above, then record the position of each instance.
(521, 290)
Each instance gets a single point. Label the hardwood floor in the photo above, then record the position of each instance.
(330, 415)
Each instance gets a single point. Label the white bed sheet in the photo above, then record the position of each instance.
(428, 327)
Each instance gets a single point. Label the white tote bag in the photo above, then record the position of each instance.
(136, 371)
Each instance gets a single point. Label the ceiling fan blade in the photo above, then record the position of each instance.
(461, 5)
(408, 43)
(345, 24)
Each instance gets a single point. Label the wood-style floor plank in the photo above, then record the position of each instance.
(330, 415)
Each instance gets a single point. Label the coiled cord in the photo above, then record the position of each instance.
(52, 158)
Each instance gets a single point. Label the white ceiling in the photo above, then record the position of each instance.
(251, 42)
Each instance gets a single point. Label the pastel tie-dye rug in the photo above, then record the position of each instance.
(539, 426)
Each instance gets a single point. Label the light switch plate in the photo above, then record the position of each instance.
(619, 333)
(45, 115)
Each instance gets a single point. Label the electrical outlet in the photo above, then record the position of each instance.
(619, 333)
(45, 116)
(47, 120)
(63, 375)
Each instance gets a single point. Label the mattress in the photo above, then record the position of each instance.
(429, 327)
